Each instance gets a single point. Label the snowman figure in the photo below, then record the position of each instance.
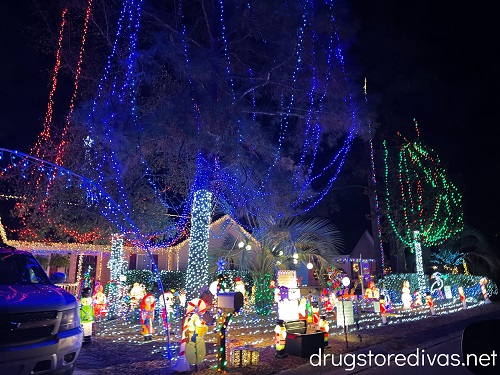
(406, 296)
(166, 303)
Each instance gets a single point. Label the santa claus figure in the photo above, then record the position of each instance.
(239, 286)
(99, 301)
(430, 303)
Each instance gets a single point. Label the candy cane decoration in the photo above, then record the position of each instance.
(195, 305)
(483, 283)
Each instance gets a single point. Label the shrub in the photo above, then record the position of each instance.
(392, 284)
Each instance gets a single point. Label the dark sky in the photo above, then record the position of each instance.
(436, 62)
(439, 62)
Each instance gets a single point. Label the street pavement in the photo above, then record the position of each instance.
(443, 347)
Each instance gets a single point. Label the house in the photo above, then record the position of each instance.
(174, 257)
(363, 261)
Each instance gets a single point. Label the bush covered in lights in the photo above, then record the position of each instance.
(169, 279)
(176, 280)
(231, 275)
(392, 284)
(264, 295)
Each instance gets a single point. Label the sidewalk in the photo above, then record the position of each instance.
(423, 340)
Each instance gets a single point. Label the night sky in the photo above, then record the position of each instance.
(438, 62)
(424, 60)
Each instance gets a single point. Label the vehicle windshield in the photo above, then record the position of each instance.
(21, 269)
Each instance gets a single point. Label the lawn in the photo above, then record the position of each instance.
(118, 347)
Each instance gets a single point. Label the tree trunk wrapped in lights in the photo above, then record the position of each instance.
(423, 207)
(197, 270)
(116, 266)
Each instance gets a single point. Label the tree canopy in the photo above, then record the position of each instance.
(257, 90)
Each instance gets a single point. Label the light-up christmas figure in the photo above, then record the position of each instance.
(136, 294)
(99, 301)
(86, 315)
(280, 339)
(483, 283)
(383, 310)
(463, 300)
(148, 316)
(428, 205)
(418, 298)
(405, 295)
(324, 326)
(430, 303)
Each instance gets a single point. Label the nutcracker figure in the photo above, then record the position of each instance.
(383, 311)
(324, 327)
(280, 339)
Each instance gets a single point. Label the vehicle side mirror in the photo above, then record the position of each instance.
(58, 277)
(481, 346)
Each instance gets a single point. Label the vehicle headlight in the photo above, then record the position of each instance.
(70, 319)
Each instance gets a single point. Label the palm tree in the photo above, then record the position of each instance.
(284, 244)
(481, 257)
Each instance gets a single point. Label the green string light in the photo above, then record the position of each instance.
(419, 195)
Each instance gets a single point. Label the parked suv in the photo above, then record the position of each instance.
(40, 330)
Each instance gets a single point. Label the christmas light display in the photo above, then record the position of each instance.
(448, 258)
(3, 234)
(116, 265)
(375, 194)
(61, 148)
(86, 315)
(469, 283)
(280, 339)
(263, 295)
(194, 306)
(45, 134)
(430, 205)
(197, 271)
(108, 161)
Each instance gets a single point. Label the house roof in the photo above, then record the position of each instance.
(365, 248)
(91, 249)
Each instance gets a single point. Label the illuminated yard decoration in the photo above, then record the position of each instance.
(197, 270)
(422, 206)
(116, 266)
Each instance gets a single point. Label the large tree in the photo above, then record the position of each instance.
(422, 206)
(260, 90)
